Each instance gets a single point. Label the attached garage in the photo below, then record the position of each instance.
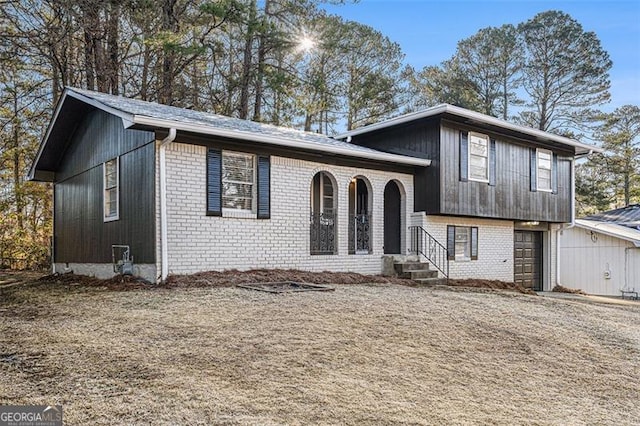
(527, 259)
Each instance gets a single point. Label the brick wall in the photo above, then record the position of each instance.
(199, 243)
(495, 245)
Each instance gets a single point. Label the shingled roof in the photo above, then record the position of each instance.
(477, 119)
(150, 115)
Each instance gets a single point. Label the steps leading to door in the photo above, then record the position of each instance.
(418, 272)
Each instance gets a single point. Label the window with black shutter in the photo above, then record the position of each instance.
(238, 184)
(462, 243)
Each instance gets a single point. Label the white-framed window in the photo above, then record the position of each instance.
(111, 184)
(238, 182)
(543, 166)
(478, 157)
(462, 243)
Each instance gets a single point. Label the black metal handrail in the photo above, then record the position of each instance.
(423, 243)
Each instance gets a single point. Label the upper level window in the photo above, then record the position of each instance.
(111, 182)
(238, 181)
(478, 157)
(543, 164)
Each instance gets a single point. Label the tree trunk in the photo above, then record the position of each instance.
(17, 184)
(113, 65)
(88, 21)
(247, 63)
(307, 121)
(262, 48)
(169, 23)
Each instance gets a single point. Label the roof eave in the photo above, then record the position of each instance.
(238, 134)
(588, 225)
(127, 121)
(579, 148)
(32, 170)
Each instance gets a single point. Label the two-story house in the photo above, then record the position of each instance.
(495, 193)
(189, 191)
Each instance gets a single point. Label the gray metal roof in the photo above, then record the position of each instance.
(153, 114)
(626, 216)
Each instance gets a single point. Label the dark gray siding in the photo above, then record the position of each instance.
(80, 234)
(421, 139)
(511, 197)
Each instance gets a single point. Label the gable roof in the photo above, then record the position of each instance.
(612, 229)
(476, 118)
(150, 115)
(626, 216)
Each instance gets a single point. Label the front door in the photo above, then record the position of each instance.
(392, 218)
(527, 259)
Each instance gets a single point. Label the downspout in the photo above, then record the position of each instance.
(53, 221)
(163, 204)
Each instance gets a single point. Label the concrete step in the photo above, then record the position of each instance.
(423, 273)
(402, 267)
(426, 282)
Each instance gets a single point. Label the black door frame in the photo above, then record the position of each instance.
(392, 229)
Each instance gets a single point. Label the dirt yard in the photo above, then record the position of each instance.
(363, 354)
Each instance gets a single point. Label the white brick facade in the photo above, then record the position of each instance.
(495, 245)
(197, 242)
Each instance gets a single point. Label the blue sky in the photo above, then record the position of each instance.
(428, 30)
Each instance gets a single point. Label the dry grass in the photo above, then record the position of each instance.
(563, 289)
(364, 354)
(491, 284)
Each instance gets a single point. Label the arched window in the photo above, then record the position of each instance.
(323, 217)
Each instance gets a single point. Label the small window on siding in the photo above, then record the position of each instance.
(238, 181)
(111, 182)
(478, 157)
(462, 243)
(543, 169)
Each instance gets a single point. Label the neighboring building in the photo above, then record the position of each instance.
(601, 254)
(191, 191)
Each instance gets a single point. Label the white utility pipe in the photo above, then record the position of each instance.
(558, 231)
(163, 203)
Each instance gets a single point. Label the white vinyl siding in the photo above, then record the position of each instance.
(238, 181)
(543, 164)
(111, 183)
(478, 157)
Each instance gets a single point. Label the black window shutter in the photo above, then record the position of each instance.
(554, 174)
(492, 162)
(451, 242)
(534, 168)
(474, 243)
(464, 156)
(214, 182)
(264, 185)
